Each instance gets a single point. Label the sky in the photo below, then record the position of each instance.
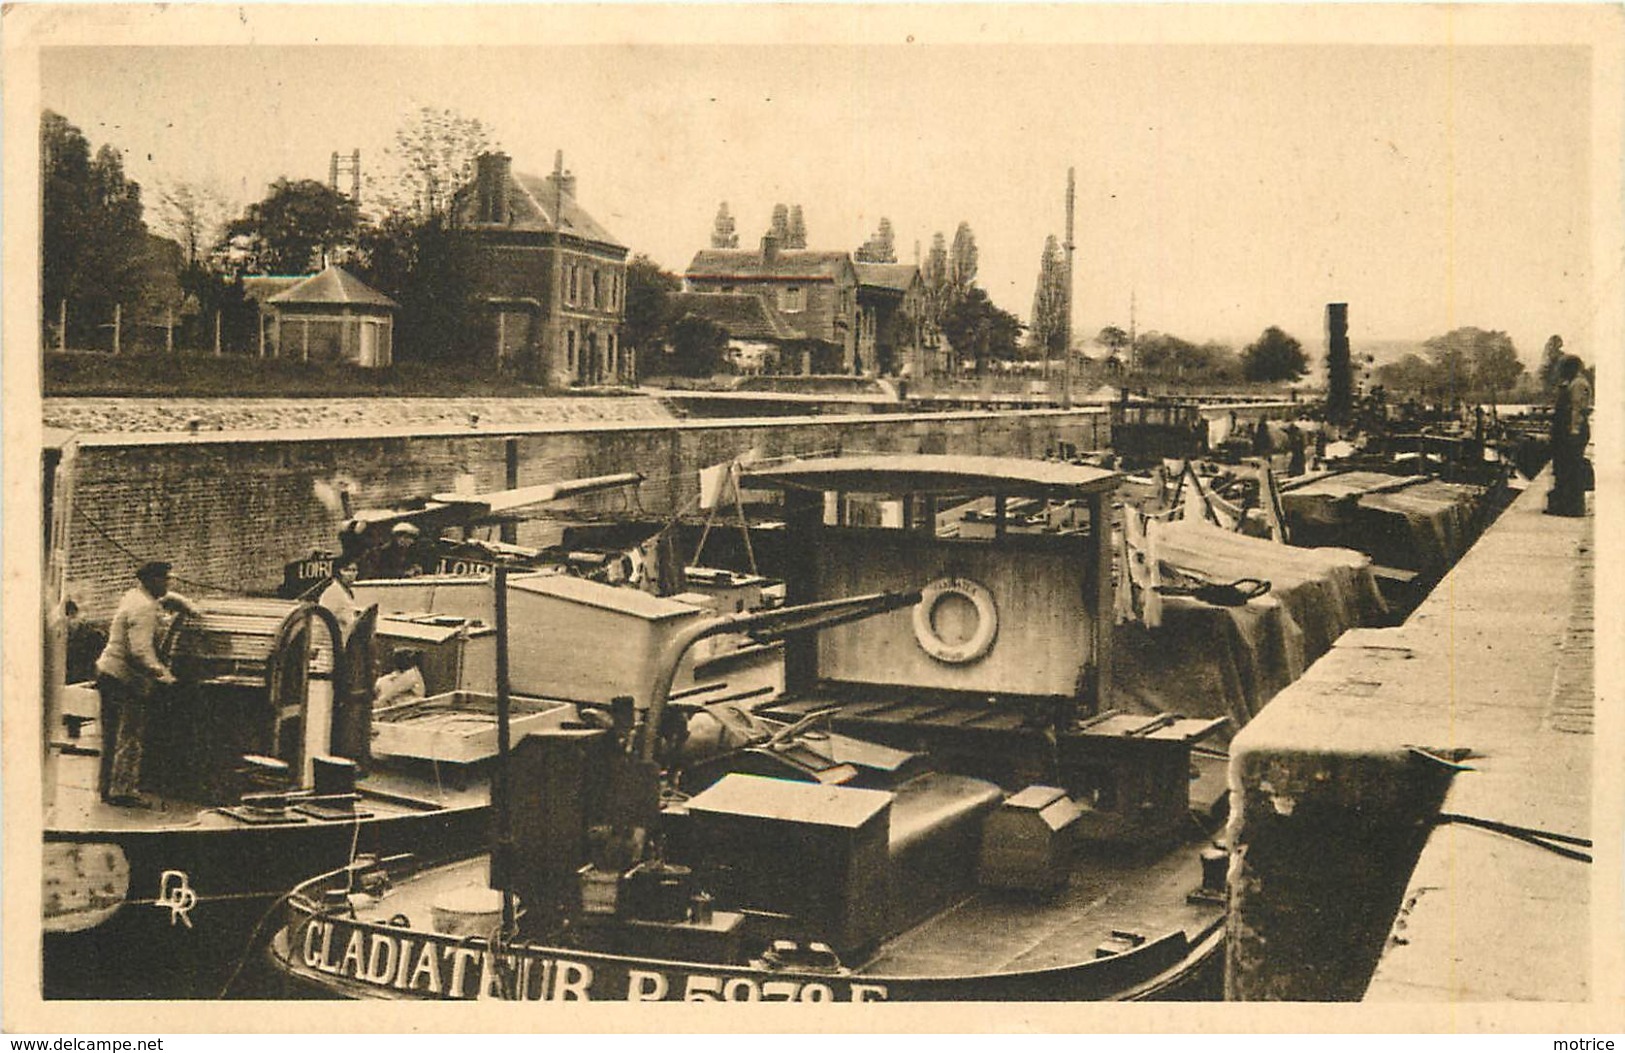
(1222, 188)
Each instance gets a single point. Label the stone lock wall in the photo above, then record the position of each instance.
(230, 510)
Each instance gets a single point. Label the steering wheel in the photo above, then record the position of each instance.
(172, 637)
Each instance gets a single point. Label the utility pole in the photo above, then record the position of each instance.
(557, 297)
(169, 330)
(1133, 344)
(1066, 317)
(118, 322)
(62, 326)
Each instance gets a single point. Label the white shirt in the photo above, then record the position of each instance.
(399, 686)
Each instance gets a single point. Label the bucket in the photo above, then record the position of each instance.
(470, 911)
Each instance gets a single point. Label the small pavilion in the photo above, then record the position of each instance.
(332, 316)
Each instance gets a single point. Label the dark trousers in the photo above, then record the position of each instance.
(1568, 494)
(124, 731)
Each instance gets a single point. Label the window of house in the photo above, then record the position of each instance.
(570, 283)
(570, 352)
(597, 291)
(791, 300)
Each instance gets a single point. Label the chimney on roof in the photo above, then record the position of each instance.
(492, 172)
(770, 250)
(562, 179)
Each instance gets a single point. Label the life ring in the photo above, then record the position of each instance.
(978, 642)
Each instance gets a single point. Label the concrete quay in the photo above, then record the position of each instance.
(1338, 786)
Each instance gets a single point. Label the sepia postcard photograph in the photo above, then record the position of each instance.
(1077, 518)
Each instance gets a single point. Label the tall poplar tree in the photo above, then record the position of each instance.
(1048, 323)
(881, 246)
(962, 260)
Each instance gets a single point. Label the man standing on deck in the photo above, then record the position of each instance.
(128, 673)
(1571, 431)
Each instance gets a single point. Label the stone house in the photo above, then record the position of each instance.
(816, 292)
(761, 339)
(891, 309)
(550, 278)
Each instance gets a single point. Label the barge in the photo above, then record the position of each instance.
(943, 805)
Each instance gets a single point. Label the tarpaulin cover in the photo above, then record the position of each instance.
(1206, 660)
(1437, 517)
(1402, 521)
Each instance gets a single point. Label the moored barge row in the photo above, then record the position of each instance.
(1033, 678)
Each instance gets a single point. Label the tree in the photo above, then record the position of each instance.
(797, 234)
(1550, 359)
(194, 215)
(95, 250)
(433, 157)
(287, 232)
(980, 330)
(1411, 373)
(424, 265)
(723, 234)
(1219, 361)
(935, 277)
(1274, 356)
(414, 251)
(1496, 366)
(779, 228)
(1113, 339)
(1163, 354)
(881, 246)
(1049, 319)
(962, 260)
(1470, 362)
(697, 346)
(648, 309)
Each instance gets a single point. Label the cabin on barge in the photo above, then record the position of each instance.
(976, 823)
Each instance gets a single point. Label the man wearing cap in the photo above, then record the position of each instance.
(127, 674)
(402, 557)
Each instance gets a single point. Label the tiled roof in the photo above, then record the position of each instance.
(746, 316)
(261, 287)
(898, 276)
(531, 203)
(333, 285)
(789, 263)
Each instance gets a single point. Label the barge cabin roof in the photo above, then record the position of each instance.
(925, 473)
